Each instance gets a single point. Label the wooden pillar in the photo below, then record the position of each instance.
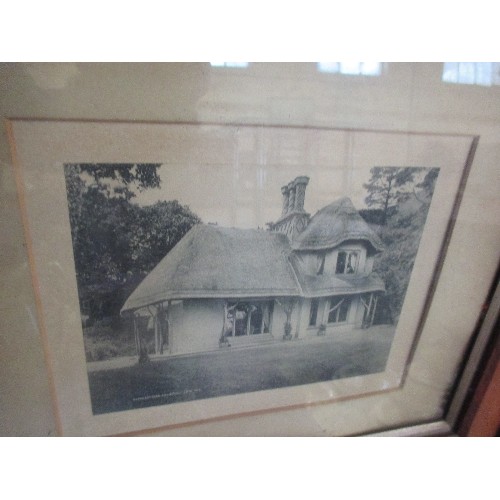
(155, 326)
(136, 336)
(222, 339)
(373, 311)
(224, 318)
(263, 309)
(166, 333)
(326, 310)
(161, 327)
(299, 320)
(142, 348)
(370, 304)
(249, 316)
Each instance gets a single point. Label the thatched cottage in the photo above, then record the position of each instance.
(223, 287)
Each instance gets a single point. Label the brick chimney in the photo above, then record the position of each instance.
(284, 192)
(293, 218)
(291, 197)
(300, 184)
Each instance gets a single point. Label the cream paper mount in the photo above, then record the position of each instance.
(193, 272)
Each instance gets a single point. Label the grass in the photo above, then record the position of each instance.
(234, 371)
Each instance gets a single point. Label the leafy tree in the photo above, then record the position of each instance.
(401, 235)
(388, 186)
(429, 182)
(118, 178)
(115, 241)
(160, 227)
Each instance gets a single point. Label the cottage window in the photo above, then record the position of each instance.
(313, 313)
(338, 308)
(248, 318)
(347, 262)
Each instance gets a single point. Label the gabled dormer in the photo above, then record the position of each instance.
(337, 241)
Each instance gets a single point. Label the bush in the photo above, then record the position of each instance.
(102, 342)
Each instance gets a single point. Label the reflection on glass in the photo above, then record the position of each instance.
(472, 73)
(351, 68)
(229, 64)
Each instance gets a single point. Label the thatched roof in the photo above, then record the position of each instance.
(334, 224)
(218, 262)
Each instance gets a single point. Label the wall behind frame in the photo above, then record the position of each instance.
(407, 96)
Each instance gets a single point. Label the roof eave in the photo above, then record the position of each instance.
(204, 294)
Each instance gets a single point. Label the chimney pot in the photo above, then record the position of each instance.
(284, 192)
(300, 192)
(291, 197)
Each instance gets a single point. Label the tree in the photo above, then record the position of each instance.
(388, 186)
(159, 228)
(117, 242)
(429, 182)
(402, 230)
(118, 178)
(100, 181)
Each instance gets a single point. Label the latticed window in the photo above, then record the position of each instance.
(338, 309)
(247, 318)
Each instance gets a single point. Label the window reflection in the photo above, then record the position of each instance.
(472, 73)
(229, 64)
(351, 68)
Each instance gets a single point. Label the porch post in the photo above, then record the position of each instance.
(299, 320)
(326, 311)
(223, 339)
(368, 313)
(373, 312)
(156, 329)
(142, 350)
(136, 336)
(166, 333)
(249, 316)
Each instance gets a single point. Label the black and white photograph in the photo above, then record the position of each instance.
(188, 273)
(197, 283)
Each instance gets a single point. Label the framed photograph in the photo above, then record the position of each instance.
(194, 272)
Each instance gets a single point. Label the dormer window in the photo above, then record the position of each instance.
(347, 262)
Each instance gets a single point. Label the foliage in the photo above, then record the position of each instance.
(401, 235)
(388, 186)
(375, 216)
(115, 241)
(118, 178)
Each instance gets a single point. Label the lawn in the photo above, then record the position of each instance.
(233, 371)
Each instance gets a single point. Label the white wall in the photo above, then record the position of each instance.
(197, 326)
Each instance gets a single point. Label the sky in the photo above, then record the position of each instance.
(233, 176)
(251, 197)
